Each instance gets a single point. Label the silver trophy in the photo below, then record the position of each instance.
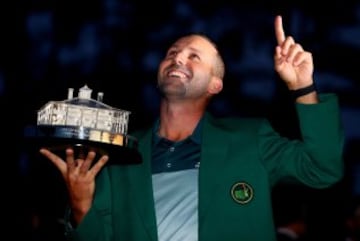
(86, 124)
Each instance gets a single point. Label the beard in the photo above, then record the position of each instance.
(171, 88)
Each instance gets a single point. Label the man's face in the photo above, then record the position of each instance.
(187, 69)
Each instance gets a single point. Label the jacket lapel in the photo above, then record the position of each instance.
(211, 164)
(140, 177)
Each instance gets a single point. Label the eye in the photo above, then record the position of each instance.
(171, 53)
(194, 56)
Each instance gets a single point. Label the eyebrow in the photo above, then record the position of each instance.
(191, 48)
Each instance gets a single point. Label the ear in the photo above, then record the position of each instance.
(215, 86)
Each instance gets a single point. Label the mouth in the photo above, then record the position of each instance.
(176, 74)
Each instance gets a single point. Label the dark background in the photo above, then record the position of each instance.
(115, 47)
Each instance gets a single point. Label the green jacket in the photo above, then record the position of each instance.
(241, 160)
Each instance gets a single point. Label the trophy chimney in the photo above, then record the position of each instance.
(70, 93)
(100, 96)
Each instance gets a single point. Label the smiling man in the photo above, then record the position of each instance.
(204, 178)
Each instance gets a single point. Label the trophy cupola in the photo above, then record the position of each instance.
(85, 92)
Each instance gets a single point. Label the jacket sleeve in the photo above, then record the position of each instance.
(316, 159)
(92, 228)
(97, 223)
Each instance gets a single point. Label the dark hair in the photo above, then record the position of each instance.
(219, 68)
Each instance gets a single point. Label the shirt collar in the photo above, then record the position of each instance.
(195, 136)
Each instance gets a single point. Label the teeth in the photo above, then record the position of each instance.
(177, 74)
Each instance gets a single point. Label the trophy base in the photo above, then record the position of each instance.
(122, 149)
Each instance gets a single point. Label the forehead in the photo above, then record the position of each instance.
(195, 43)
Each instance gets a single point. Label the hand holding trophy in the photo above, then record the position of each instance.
(78, 135)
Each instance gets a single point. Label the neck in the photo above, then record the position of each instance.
(177, 122)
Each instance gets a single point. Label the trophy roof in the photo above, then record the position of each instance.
(83, 103)
(87, 102)
(84, 100)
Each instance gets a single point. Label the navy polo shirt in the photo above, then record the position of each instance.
(175, 167)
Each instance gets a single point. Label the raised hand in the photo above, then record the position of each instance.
(293, 64)
(79, 175)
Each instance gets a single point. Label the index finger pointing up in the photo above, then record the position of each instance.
(279, 30)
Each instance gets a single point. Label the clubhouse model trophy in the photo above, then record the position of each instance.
(86, 124)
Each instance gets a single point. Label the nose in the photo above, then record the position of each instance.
(179, 58)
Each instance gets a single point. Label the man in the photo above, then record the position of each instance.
(204, 178)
